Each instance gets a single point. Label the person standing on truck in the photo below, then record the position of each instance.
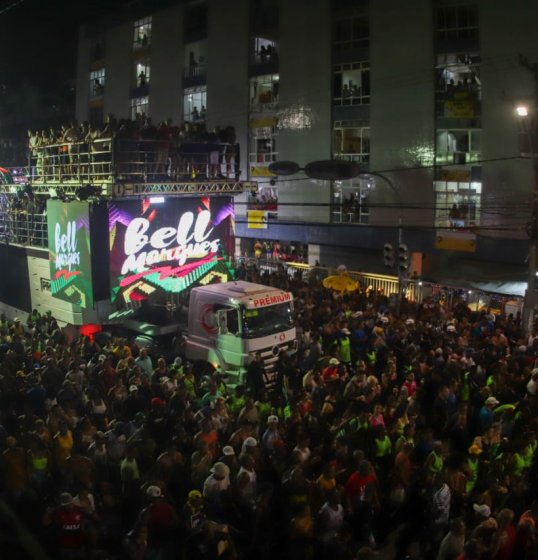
(254, 378)
(144, 362)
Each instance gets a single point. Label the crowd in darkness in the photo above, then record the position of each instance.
(418, 429)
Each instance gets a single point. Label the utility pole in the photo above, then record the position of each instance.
(529, 127)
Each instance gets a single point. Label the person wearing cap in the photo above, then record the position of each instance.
(67, 521)
(218, 481)
(271, 434)
(162, 522)
(486, 415)
(193, 515)
(532, 385)
(229, 458)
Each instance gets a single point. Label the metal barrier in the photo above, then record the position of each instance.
(24, 229)
(107, 160)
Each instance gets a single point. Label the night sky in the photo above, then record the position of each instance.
(38, 58)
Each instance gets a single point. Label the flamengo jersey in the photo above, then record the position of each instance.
(69, 522)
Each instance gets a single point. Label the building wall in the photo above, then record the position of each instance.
(305, 80)
(227, 71)
(166, 90)
(402, 109)
(507, 185)
(83, 76)
(119, 69)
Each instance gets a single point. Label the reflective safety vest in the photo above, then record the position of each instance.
(345, 349)
(371, 357)
(383, 447)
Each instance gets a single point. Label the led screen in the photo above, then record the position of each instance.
(167, 244)
(68, 226)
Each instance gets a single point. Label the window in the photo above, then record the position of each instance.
(263, 50)
(142, 33)
(350, 200)
(97, 50)
(457, 200)
(264, 92)
(457, 22)
(195, 22)
(97, 83)
(262, 144)
(458, 146)
(458, 85)
(351, 32)
(194, 104)
(142, 73)
(139, 106)
(351, 141)
(196, 59)
(351, 83)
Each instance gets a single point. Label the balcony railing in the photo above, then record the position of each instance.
(107, 161)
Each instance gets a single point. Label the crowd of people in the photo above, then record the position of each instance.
(416, 431)
(133, 148)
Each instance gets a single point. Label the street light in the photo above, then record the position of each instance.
(522, 111)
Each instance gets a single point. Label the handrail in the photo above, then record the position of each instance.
(108, 160)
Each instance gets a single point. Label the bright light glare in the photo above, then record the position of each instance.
(156, 199)
(522, 111)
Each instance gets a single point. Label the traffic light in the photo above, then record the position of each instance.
(403, 258)
(388, 255)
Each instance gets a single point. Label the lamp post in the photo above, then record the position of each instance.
(529, 128)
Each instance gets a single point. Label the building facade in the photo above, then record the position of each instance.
(421, 95)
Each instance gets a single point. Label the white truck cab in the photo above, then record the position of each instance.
(230, 322)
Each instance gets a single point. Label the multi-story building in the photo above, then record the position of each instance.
(420, 94)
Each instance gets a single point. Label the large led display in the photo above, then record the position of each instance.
(68, 226)
(160, 245)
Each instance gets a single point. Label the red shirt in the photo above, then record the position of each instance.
(69, 522)
(355, 485)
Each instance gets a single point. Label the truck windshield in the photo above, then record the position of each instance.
(267, 320)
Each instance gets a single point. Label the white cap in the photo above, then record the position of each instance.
(482, 509)
(133, 388)
(410, 321)
(346, 331)
(250, 442)
(272, 419)
(451, 328)
(154, 492)
(492, 400)
(220, 469)
(228, 450)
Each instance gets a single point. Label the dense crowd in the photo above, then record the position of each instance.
(417, 430)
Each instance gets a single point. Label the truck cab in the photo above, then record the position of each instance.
(230, 322)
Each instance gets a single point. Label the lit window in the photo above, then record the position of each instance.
(351, 141)
(263, 50)
(350, 200)
(194, 104)
(142, 32)
(97, 82)
(142, 72)
(458, 85)
(458, 146)
(351, 83)
(264, 92)
(139, 106)
(263, 133)
(457, 199)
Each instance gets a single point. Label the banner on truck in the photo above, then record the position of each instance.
(68, 226)
(162, 245)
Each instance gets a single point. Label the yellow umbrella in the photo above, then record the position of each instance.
(340, 283)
